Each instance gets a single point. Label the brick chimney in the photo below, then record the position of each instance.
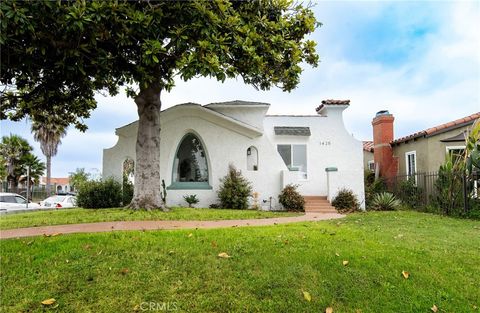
(386, 165)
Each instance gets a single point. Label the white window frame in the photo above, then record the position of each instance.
(407, 154)
(291, 155)
(448, 148)
(371, 168)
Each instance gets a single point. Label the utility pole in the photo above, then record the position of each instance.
(28, 185)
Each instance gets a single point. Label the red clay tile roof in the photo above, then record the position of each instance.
(56, 181)
(332, 102)
(368, 146)
(444, 127)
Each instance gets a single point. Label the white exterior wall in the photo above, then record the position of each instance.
(344, 152)
(226, 142)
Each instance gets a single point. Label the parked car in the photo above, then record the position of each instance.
(59, 202)
(13, 201)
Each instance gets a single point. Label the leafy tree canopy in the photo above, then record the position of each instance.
(78, 178)
(56, 54)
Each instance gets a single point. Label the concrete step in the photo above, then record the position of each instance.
(321, 211)
(318, 204)
(314, 198)
(326, 206)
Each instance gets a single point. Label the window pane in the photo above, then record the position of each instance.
(20, 200)
(300, 159)
(411, 164)
(286, 154)
(191, 161)
(457, 154)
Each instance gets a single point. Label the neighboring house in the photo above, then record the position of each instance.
(368, 162)
(60, 184)
(421, 152)
(199, 142)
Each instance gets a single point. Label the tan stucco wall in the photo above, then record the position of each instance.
(367, 156)
(430, 152)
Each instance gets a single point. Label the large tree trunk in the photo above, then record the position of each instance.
(49, 174)
(147, 189)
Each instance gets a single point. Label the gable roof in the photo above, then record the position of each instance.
(440, 128)
(218, 118)
(368, 146)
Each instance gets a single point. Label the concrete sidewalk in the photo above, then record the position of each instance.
(156, 225)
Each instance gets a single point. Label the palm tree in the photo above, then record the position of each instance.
(49, 134)
(37, 169)
(12, 149)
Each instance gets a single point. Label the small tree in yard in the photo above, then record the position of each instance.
(56, 54)
(234, 190)
(78, 178)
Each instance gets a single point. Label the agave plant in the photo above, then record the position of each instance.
(385, 201)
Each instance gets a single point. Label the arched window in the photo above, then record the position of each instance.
(190, 167)
(252, 159)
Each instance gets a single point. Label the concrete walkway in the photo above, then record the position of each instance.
(157, 225)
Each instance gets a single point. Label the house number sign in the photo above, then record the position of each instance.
(325, 143)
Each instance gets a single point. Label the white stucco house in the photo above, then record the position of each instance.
(199, 142)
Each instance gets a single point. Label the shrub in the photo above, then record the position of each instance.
(191, 200)
(291, 199)
(345, 201)
(385, 201)
(127, 191)
(100, 194)
(410, 194)
(372, 187)
(234, 190)
(214, 206)
(448, 187)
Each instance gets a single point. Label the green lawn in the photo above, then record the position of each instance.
(267, 272)
(73, 216)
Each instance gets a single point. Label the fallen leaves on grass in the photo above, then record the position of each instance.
(405, 274)
(434, 308)
(329, 310)
(49, 301)
(307, 296)
(336, 254)
(52, 235)
(190, 235)
(124, 271)
(345, 263)
(223, 255)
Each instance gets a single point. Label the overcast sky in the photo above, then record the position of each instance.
(419, 60)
